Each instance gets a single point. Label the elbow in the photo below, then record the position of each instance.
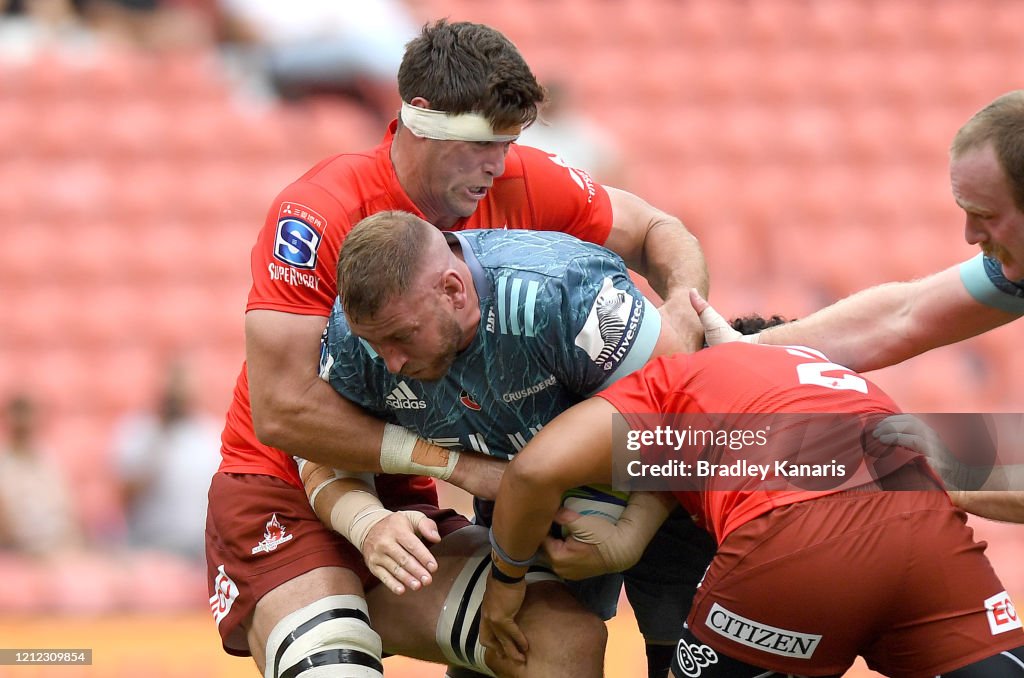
(531, 477)
(270, 422)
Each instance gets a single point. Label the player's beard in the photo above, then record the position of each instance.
(448, 349)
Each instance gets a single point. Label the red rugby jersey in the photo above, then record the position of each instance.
(296, 252)
(756, 383)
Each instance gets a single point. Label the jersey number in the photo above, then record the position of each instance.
(814, 373)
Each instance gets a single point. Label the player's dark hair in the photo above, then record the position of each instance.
(753, 323)
(464, 67)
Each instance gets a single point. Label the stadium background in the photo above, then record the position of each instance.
(803, 142)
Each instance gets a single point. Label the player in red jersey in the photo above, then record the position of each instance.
(451, 159)
(812, 570)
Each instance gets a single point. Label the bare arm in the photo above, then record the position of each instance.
(574, 449)
(294, 410)
(1007, 506)
(659, 246)
(887, 324)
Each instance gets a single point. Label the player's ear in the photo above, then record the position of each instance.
(454, 287)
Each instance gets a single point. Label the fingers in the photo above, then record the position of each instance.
(513, 643)
(717, 329)
(426, 527)
(573, 559)
(395, 554)
(505, 638)
(564, 516)
(905, 430)
(697, 301)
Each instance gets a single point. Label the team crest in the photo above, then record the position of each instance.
(274, 535)
(468, 401)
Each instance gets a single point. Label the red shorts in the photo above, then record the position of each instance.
(893, 576)
(262, 532)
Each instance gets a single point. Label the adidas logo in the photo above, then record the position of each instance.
(402, 398)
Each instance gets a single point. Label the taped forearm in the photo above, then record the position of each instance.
(344, 502)
(403, 452)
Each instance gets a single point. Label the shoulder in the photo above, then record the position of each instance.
(983, 279)
(544, 252)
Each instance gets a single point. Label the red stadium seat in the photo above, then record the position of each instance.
(25, 585)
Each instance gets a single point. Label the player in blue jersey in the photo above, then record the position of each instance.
(889, 323)
(886, 324)
(475, 340)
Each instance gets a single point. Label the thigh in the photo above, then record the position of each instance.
(305, 589)
(440, 623)
(407, 623)
(261, 534)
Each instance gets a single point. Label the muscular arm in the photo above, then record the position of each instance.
(294, 410)
(1007, 506)
(574, 449)
(658, 246)
(887, 324)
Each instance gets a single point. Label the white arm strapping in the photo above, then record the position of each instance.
(355, 514)
(621, 545)
(717, 329)
(397, 448)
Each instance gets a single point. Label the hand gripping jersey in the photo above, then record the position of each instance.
(559, 320)
(296, 252)
(756, 384)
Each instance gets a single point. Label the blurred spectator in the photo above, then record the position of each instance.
(165, 460)
(30, 24)
(347, 47)
(580, 142)
(149, 24)
(35, 512)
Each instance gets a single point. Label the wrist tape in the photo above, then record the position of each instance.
(405, 453)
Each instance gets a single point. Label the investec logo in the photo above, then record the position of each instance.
(761, 636)
(402, 398)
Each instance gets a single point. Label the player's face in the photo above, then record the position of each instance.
(994, 222)
(417, 337)
(459, 175)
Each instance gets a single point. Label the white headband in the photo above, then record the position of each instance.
(424, 122)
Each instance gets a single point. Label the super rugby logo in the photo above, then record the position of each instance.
(611, 326)
(299, 234)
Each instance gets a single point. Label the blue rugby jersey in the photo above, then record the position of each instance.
(560, 319)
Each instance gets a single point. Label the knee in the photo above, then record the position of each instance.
(333, 631)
